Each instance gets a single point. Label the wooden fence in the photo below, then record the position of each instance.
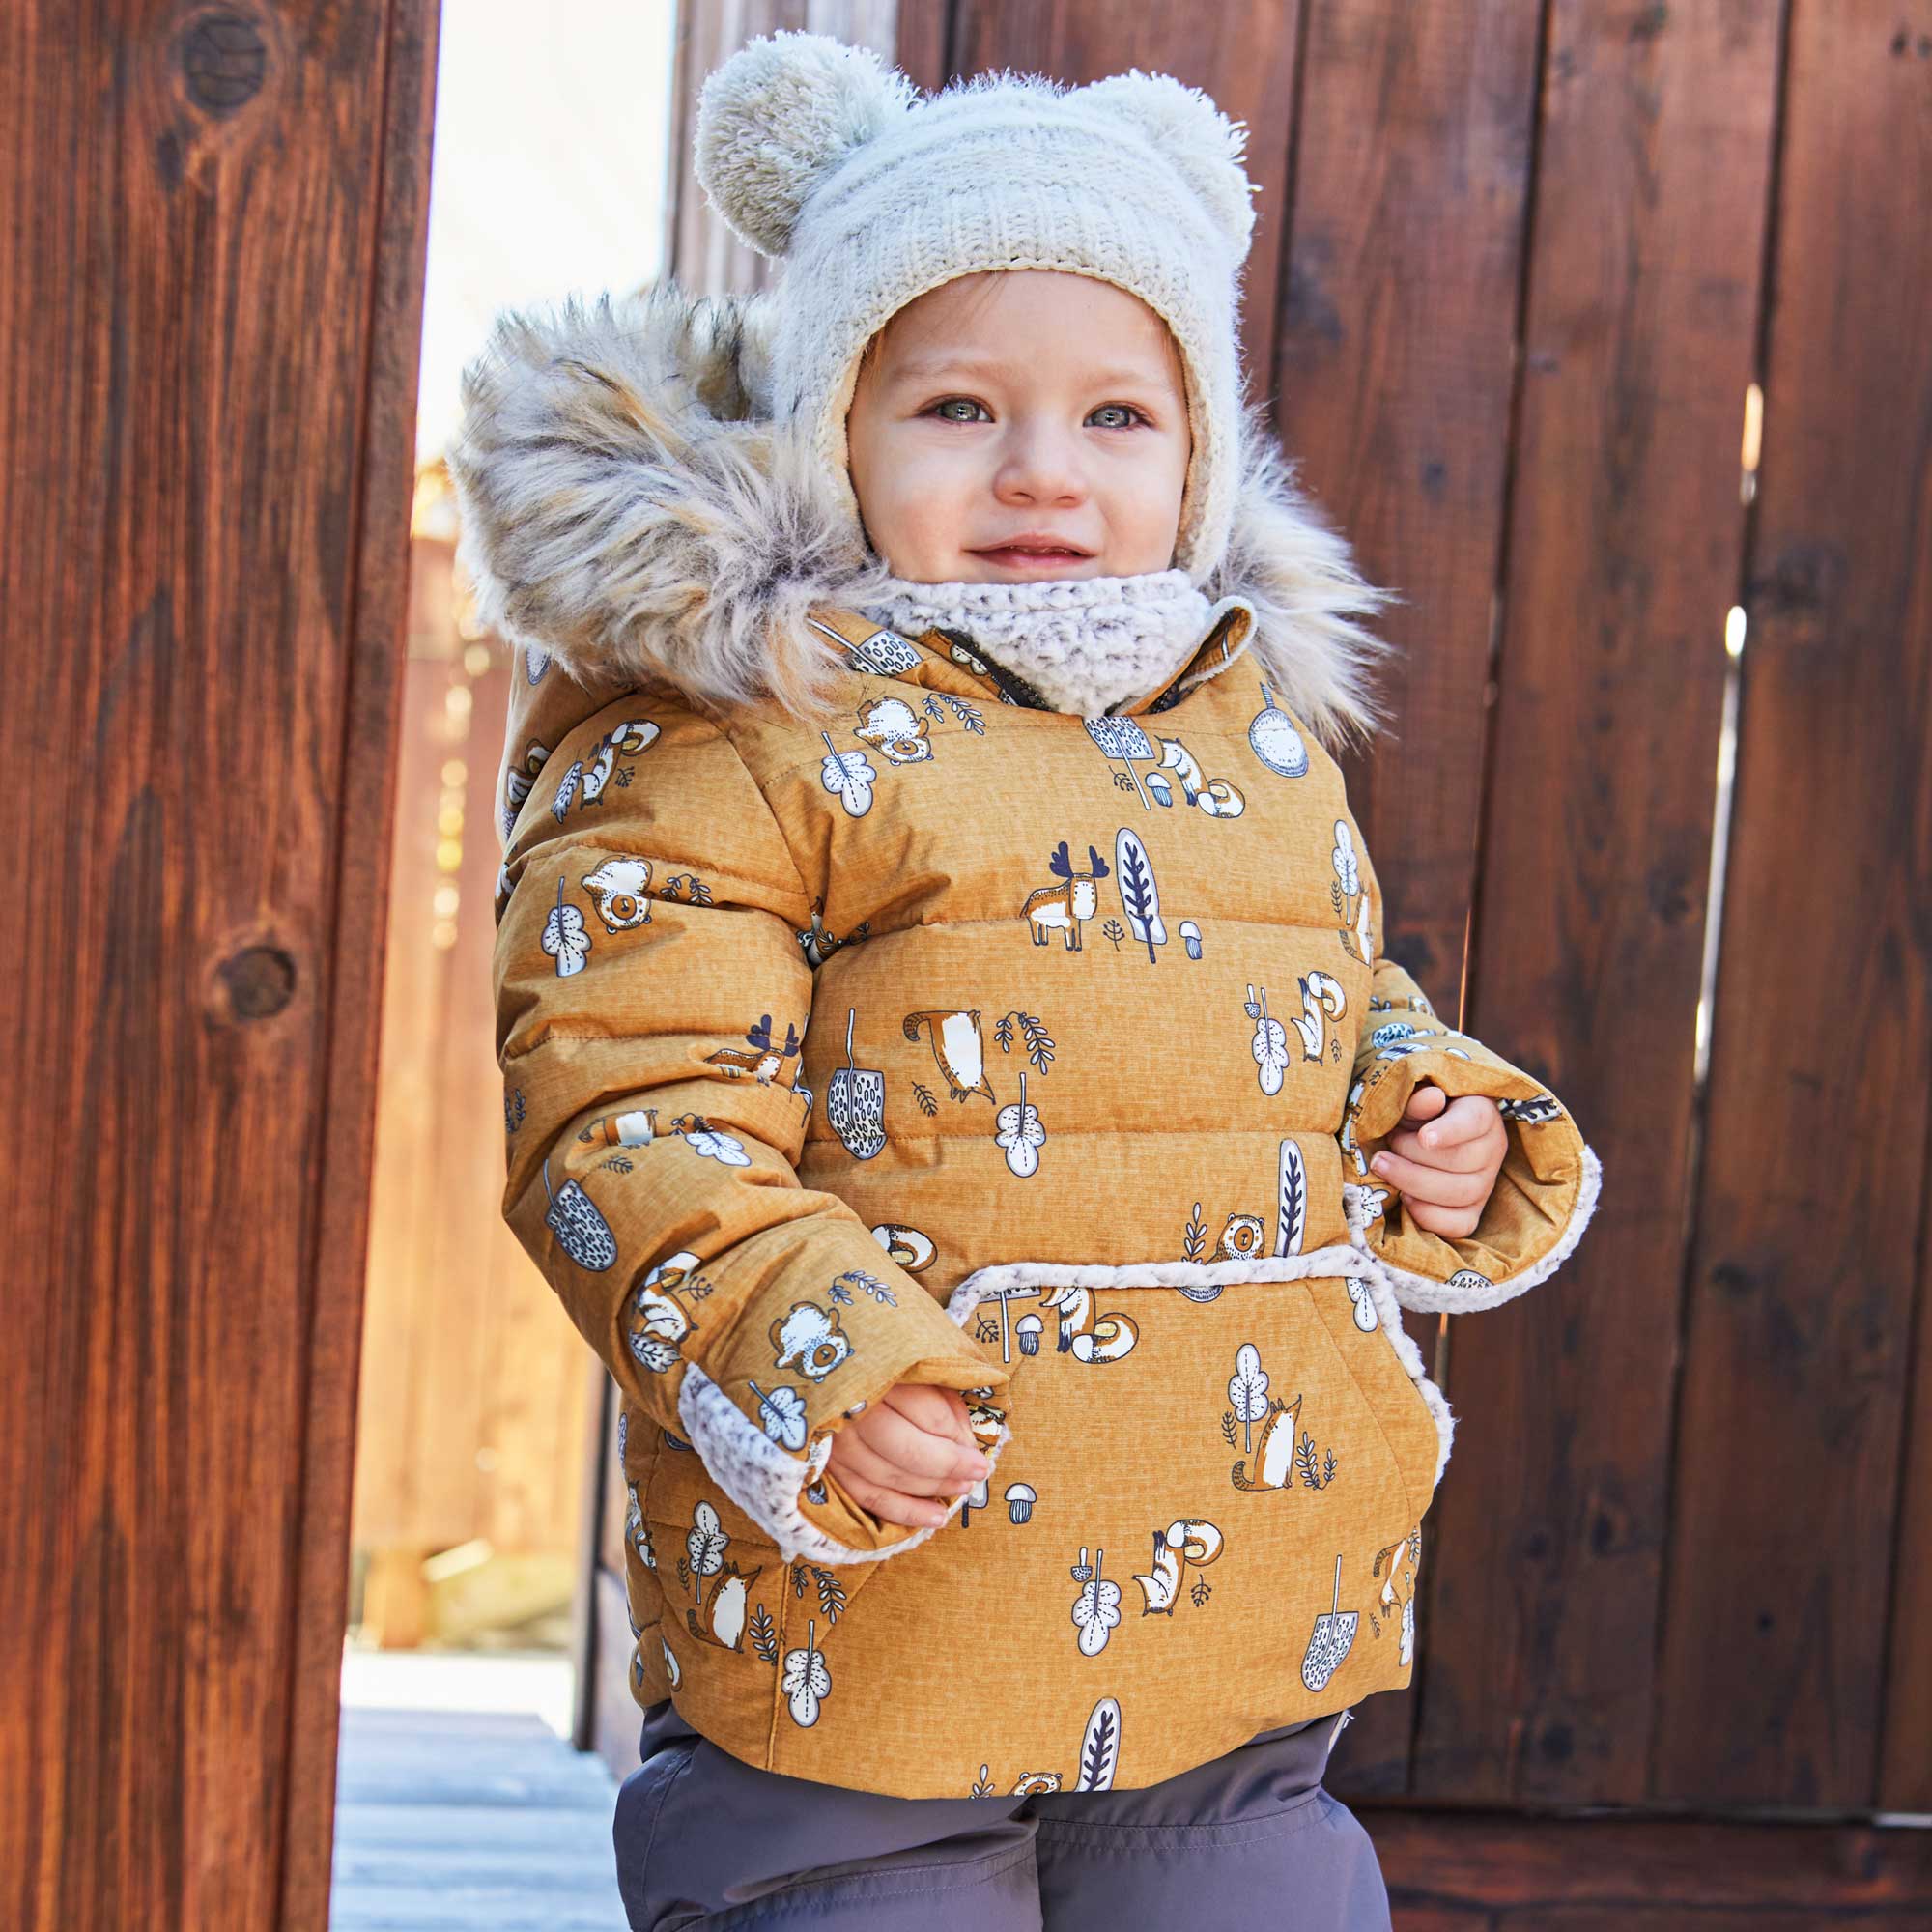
(1520, 265)
(1601, 331)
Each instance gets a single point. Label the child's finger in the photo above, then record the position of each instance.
(917, 1451)
(1445, 1186)
(859, 1458)
(942, 1411)
(1467, 1156)
(1472, 1116)
(892, 1505)
(1426, 1103)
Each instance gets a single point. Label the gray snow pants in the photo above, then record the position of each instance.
(1248, 1840)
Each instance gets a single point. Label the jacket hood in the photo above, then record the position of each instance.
(628, 505)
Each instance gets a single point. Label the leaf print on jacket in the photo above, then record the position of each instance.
(807, 1678)
(855, 1101)
(1270, 1043)
(850, 775)
(1017, 1129)
(564, 938)
(1120, 738)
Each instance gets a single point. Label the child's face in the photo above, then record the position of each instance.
(1015, 402)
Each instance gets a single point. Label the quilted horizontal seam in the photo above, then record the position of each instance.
(1019, 919)
(1234, 733)
(811, 1897)
(1114, 1133)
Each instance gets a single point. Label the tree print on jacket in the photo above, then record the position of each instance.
(1096, 1609)
(564, 938)
(1100, 1757)
(1140, 896)
(1346, 891)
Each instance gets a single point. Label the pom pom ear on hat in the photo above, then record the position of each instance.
(779, 116)
(1201, 142)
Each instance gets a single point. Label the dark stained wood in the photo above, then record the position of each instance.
(1811, 1210)
(1241, 57)
(1623, 553)
(1658, 1874)
(211, 266)
(1392, 391)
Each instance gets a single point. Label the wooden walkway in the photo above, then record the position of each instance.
(485, 1821)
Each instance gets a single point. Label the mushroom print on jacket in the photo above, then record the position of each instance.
(1103, 1038)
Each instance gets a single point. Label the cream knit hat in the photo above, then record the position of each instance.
(817, 153)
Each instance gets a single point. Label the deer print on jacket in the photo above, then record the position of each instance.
(1064, 908)
(765, 1061)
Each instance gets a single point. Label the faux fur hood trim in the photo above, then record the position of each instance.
(628, 505)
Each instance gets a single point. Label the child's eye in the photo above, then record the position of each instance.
(1128, 408)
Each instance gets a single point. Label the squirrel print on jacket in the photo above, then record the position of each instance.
(958, 1049)
(1084, 1334)
(1189, 1543)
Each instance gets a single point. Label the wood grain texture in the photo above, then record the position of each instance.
(1811, 1209)
(1623, 553)
(212, 267)
(1392, 393)
(1461, 1869)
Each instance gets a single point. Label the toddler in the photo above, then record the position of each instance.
(951, 1076)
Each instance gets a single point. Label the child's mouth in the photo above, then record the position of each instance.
(1033, 559)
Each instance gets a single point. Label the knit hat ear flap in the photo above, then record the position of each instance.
(778, 117)
(1186, 126)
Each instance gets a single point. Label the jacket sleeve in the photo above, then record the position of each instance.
(1543, 1195)
(649, 980)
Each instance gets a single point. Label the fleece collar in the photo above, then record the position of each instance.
(628, 505)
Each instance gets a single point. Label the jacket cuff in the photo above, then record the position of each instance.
(800, 1503)
(1544, 1197)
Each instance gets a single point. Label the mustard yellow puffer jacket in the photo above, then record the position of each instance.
(931, 1036)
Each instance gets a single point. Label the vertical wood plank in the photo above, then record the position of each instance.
(1812, 1200)
(213, 258)
(1392, 385)
(1624, 552)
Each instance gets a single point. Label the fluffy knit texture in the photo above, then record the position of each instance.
(629, 507)
(871, 193)
(1082, 644)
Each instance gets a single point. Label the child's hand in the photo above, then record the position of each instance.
(1446, 1169)
(910, 1445)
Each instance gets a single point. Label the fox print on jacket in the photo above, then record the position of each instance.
(862, 1023)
